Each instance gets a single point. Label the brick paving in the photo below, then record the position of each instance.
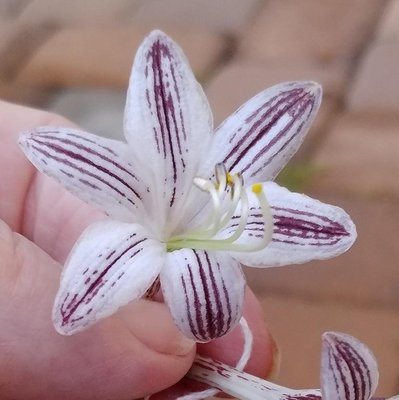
(63, 56)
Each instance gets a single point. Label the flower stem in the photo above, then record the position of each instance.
(243, 385)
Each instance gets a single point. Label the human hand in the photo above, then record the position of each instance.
(135, 352)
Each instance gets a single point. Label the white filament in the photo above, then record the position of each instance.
(223, 210)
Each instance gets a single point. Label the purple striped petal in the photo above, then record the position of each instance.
(204, 291)
(96, 169)
(111, 264)
(261, 136)
(167, 120)
(349, 370)
(304, 229)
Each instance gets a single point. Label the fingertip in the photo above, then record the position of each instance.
(151, 323)
(265, 358)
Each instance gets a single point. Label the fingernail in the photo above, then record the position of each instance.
(151, 323)
(276, 363)
(5, 232)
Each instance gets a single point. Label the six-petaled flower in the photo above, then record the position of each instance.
(186, 204)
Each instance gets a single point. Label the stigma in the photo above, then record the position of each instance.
(229, 208)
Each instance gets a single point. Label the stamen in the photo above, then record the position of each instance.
(239, 194)
(257, 188)
(228, 244)
(230, 179)
(236, 193)
(209, 228)
(221, 177)
(223, 210)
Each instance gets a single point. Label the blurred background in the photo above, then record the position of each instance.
(74, 58)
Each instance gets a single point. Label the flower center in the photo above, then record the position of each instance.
(230, 213)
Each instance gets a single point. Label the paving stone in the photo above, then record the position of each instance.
(17, 43)
(366, 275)
(329, 109)
(222, 16)
(360, 157)
(97, 110)
(389, 24)
(10, 9)
(24, 94)
(103, 56)
(297, 326)
(6, 34)
(375, 85)
(322, 32)
(85, 12)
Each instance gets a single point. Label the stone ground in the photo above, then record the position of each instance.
(74, 58)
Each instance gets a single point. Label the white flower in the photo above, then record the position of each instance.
(186, 204)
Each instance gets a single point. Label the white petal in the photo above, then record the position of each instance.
(167, 120)
(111, 264)
(349, 370)
(261, 136)
(204, 291)
(96, 169)
(304, 229)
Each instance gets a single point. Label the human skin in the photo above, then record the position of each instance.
(135, 352)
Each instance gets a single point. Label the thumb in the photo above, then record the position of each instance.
(136, 352)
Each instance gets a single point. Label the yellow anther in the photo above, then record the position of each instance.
(230, 179)
(257, 188)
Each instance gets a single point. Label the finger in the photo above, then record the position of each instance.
(32, 203)
(263, 362)
(129, 355)
(228, 349)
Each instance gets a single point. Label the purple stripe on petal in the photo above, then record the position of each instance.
(194, 306)
(51, 135)
(170, 131)
(349, 370)
(82, 159)
(304, 229)
(260, 137)
(86, 139)
(96, 169)
(210, 316)
(219, 298)
(187, 303)
(204, 292)
(78, 168)
(111, 264)
(288, 225)
(168, 124)
(266, 156)
(94, 285)
(259, 124)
